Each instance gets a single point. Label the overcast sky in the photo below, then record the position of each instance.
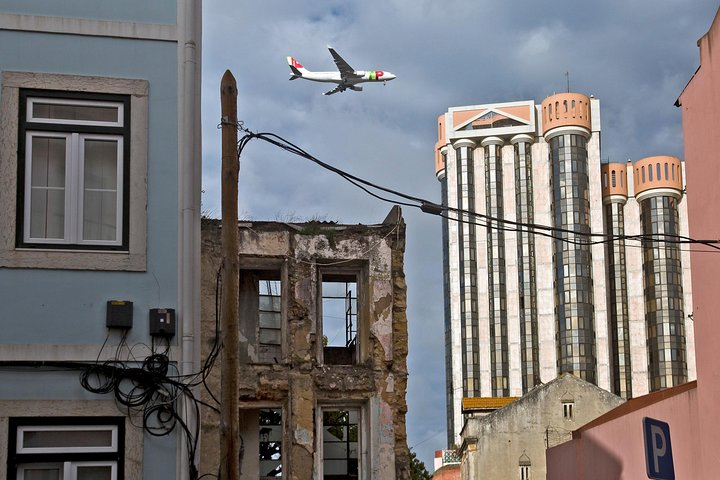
(636, 56)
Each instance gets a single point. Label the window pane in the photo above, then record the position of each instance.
(48, 161)
(47, 187)
(100, 216)
(100, 193)
(67, 438)
(89, 113)
(94, 472)
(269, 336)
(101, 157)
(47, 213)
(270, 319)
(40, 473)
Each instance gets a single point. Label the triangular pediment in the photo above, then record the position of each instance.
(491, 118)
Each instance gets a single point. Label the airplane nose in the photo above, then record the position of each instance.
(388, 76)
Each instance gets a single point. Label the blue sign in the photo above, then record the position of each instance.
(658, 450)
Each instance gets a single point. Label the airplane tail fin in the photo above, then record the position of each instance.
(296, 67)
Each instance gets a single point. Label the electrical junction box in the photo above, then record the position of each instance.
(119, 314)
(162, 322)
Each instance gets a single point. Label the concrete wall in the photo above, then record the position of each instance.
(494, 444)
(300, 382)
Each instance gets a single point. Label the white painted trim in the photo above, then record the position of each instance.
(95, 28)
(568, 129)
(492, 141)
(522, 137)
(614, 199)
(659, 192)
(22, 429)
(31, 101)
(464, 142)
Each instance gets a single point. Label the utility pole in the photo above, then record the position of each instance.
(229, 321)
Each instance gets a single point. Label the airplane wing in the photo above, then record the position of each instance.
(345, 69)
(339, 88)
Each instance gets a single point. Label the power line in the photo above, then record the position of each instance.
(575, 237)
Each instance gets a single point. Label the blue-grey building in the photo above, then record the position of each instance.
(99, 238)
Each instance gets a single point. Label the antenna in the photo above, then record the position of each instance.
(567, 77)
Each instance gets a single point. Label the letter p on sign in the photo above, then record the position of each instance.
(658, 450)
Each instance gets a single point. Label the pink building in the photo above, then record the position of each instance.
(612, 446)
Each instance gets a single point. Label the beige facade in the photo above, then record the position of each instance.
(323, 372)
(510, 443)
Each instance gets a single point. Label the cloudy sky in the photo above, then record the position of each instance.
(636, 56)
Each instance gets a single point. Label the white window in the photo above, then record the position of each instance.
(72, 449)
(74, 171)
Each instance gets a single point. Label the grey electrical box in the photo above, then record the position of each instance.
(119, 314)
(162, 322)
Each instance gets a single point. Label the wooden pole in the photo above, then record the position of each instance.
(229, 321)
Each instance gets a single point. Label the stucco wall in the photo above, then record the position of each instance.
(494, 444)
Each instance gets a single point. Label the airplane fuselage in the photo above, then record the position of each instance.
(336, 77)
(345, 77)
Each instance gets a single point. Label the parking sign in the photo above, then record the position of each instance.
(658, 450)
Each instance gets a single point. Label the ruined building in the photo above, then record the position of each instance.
(323, 347)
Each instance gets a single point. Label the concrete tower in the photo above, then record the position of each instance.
(538, 275)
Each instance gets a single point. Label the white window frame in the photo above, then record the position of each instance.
(31, 101)
(74, 188)
(22, 429)
(68, 469)
(131, 256)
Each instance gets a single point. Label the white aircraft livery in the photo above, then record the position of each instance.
(346, 76)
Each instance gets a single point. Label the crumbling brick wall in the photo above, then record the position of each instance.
(301, 381)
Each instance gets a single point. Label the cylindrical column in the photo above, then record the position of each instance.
(615, 192)
(658, 189)
(497, 289)
(449, 389)
(467, 239)
(566, 128)
(527, 289)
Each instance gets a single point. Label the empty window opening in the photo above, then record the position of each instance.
(340, 318)
(261, 314)
(341, 441)
(270, 443)
(568, 408)
(613, 179)
(269, 320)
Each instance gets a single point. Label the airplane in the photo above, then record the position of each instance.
(346, 76)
